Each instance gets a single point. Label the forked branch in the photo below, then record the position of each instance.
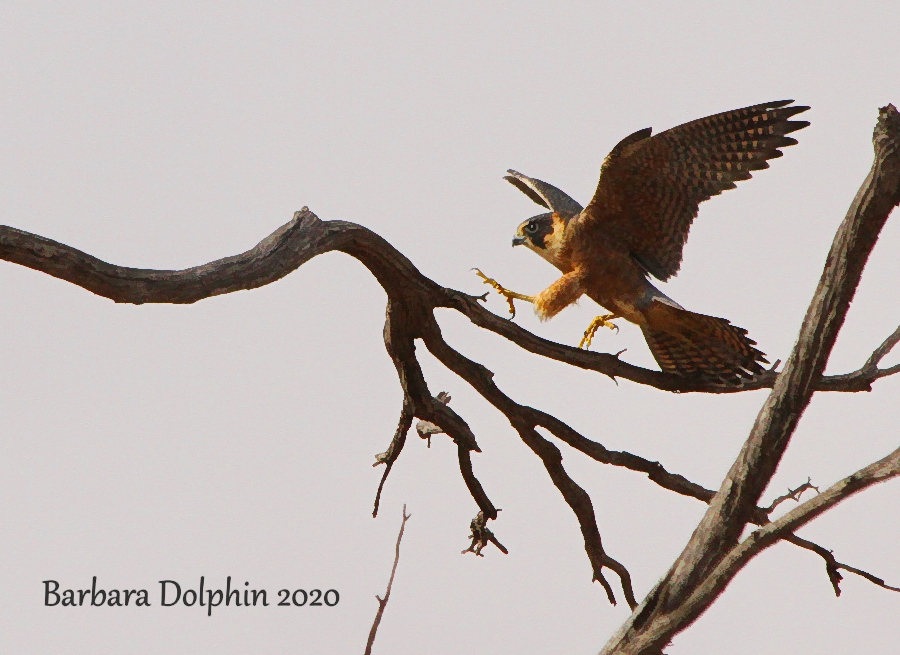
(759, 540)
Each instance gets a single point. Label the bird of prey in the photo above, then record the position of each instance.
(636, 226)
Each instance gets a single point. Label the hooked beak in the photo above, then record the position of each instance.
(518, 241)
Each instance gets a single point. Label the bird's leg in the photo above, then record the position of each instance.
(600, 321)
(503, 291)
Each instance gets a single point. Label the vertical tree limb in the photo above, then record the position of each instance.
(382, 602)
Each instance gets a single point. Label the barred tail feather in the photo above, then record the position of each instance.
(700, 346)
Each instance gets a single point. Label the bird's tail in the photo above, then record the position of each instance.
(699, 346)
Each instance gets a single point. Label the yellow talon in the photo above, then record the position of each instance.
(503, 291)
(598, 322)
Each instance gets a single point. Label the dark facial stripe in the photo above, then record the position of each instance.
(543, 228)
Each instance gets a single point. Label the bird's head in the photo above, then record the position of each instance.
(543, 234)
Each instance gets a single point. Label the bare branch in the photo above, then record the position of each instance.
(676, 601)
(280, 253)
(393, 452)
(580, 502)
(832, 566)
(654, 470)
(882, 351)
(524, 420)
(382, 602)
(679, 484)
(792, 494)
(304, 237)
(611, 366)
(474, 486)
(869, 371)
(404, 321)
(738, 557)
(884, 469)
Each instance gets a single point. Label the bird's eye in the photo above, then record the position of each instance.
(531, 228)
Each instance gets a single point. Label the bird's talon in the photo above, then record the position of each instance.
(503, 291)
(598, 322)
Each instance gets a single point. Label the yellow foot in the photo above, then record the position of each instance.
(503, 291)
(599, 322)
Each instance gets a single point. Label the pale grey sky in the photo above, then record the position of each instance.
(236, 436)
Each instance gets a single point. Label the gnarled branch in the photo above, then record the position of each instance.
(306, 236)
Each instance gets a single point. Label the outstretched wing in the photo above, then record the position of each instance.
(544, 194)
(650, 187)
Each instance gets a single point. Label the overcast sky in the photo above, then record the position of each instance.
(235, 437)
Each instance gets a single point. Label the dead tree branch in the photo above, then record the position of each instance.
(412, 299)
(738, 557)
(390, 456)
(304, 237)
(524, 420)
(833, 567)
(792, 494)
(382, 602)
(425, 429)
(681, 485)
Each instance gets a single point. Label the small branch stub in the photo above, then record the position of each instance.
(426, 428)
(481, 536)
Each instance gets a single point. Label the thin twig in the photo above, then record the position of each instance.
(382, 602)
(882, 350)
(832, 566)
(792, 494)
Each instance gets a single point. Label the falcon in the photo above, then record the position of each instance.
(635, 228)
